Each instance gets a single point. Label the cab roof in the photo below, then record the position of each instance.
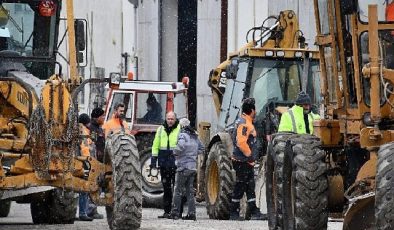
(151, 86)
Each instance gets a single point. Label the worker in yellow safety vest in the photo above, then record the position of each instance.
(165, 141)
(299, 118)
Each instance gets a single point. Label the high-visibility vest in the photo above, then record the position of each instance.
(293, 121)
(163, 141)
(87, 148)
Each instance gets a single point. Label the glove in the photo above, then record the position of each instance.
(251, 161)
(153, 161)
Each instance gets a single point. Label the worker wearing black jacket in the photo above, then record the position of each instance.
(97, 132)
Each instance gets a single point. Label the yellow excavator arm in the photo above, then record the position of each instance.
(284, 34)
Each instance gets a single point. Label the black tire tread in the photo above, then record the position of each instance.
(63, 207)
(221, 208)
(275, 217)
(126, 213)
(39, 212)
(310, 183)
(384, 203)
(5, 206)
(57, 206)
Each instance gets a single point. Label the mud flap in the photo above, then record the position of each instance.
(361, 212)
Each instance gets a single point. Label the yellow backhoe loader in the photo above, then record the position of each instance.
(273, 67)
(39, 133)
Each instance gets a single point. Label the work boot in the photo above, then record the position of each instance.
(255, 212)
(85, 218)
(235, 216)
(96, 216)
(259, 216)
(234, 212)
(189, 217)
(174, 217)
(165, 216)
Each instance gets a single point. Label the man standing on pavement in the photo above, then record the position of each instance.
(243, 161)
(299, 118)
(98, 138)
(117, 122)
(162, 151)
(85, 149)
(97, 132)
(186, 151)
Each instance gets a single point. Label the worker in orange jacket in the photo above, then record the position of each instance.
(243, 159)
(87, 209)
(84, 150)
(117, 122)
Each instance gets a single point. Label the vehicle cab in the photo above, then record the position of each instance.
(147, 102)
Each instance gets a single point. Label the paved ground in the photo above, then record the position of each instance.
(19, 219)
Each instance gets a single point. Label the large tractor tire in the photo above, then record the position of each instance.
(63, 206)
(384, 202)
(54, 207)
(274, 179)
(39, 212)
(5, 206)
(126, 212)
(219, 182)
(152, 188)
(305, 185)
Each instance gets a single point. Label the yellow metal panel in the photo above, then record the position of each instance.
(17, 96)
(12, 144)
(327, 131)
(368, 138)
(72, 51)
(56, 99)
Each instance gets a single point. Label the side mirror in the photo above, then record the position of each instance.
(114, 78)
(232, 69)
(348, 6)
(80, 58)
(80, 41)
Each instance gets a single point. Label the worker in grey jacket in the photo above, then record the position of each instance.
(186, 151)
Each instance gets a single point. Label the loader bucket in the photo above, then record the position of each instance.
(361, 213)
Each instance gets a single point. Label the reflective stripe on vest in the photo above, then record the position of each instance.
(293, 121)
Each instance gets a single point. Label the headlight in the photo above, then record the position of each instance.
(269, 53)
(115, 78)
(298, 54)
(280, 53)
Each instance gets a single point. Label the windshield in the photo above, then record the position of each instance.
(386, 47)
(150, 108)
(23, 32)
(180, 105)
(281, 81)
(125, 98)
(385, 9)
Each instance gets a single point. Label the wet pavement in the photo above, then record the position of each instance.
(20, 219)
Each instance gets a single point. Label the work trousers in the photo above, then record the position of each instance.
(184, 186)
(244, 184)
(168, 180)
(83, 204)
